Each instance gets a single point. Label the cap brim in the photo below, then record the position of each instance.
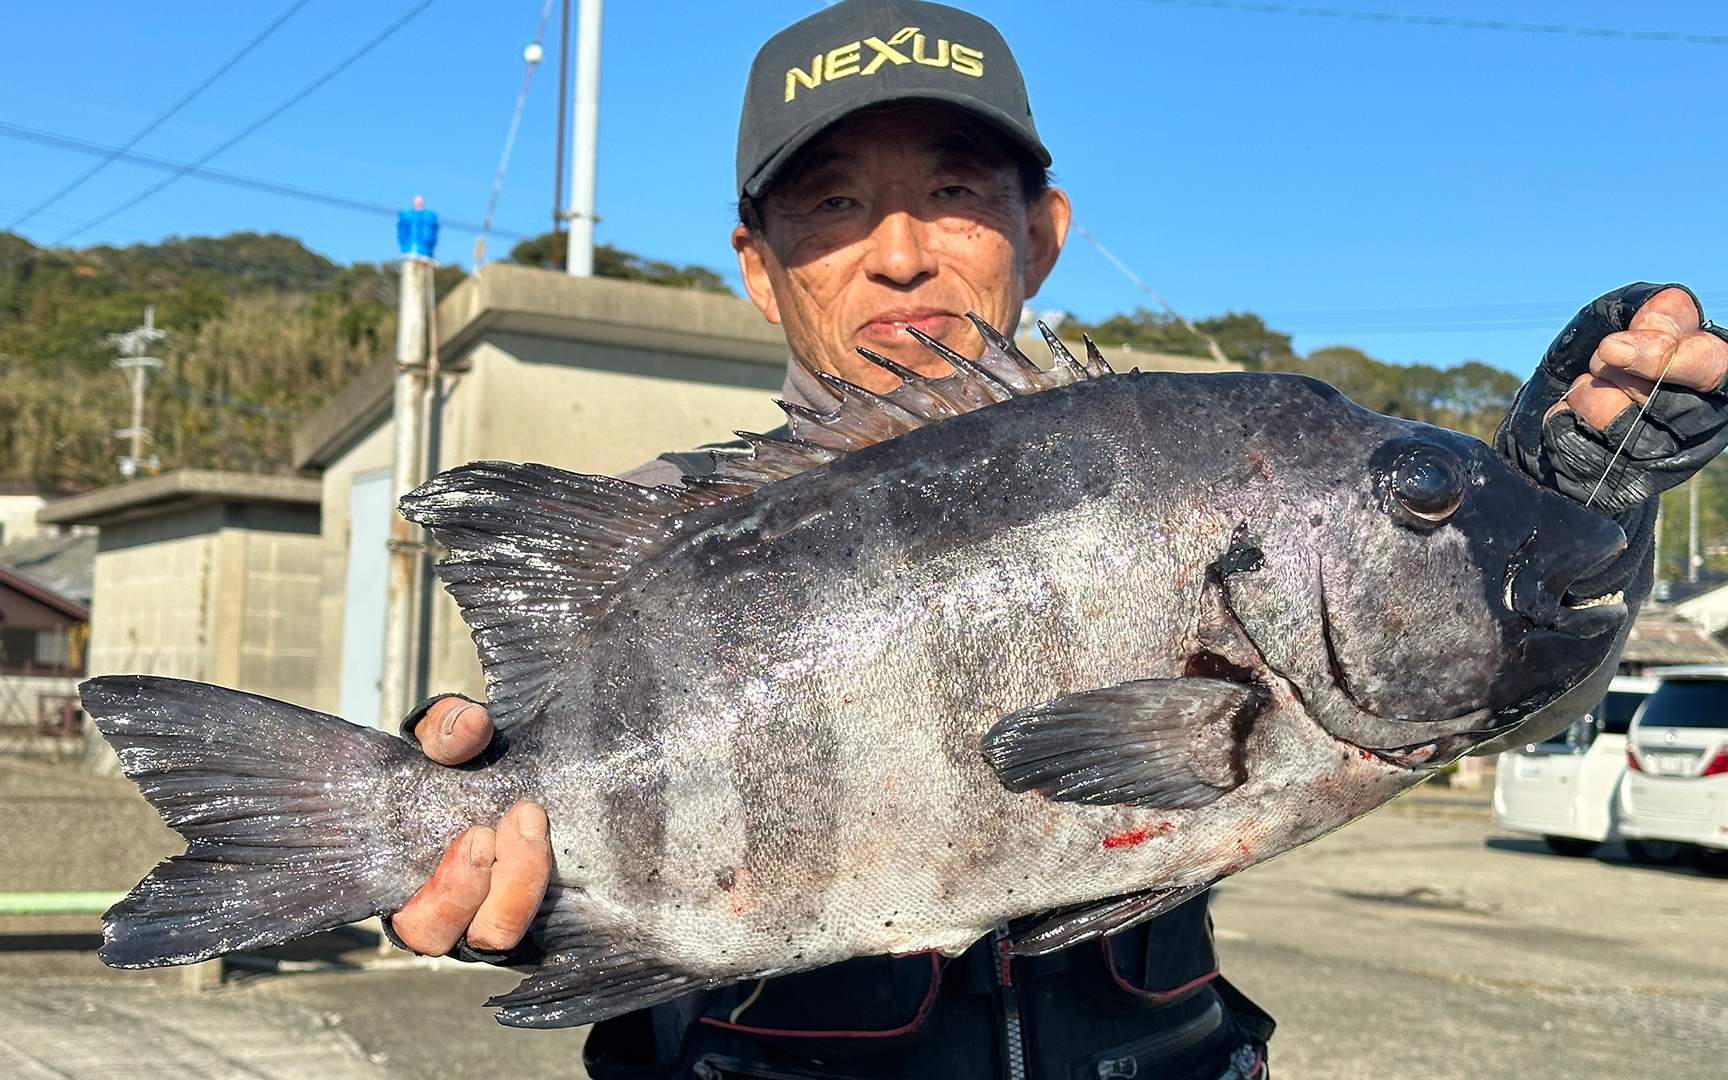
(764, 175)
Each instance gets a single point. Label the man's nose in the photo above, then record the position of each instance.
(899, 250)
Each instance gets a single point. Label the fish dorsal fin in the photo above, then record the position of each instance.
(864, 418)
(536, 553)
(533, 554)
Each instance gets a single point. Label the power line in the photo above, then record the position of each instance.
(1447, 20)
(67, 142)
(1211, 343)
(304, 92)
(531, 60)
(161, 119)
(1535, 315)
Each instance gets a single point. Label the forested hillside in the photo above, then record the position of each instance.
(262, 331)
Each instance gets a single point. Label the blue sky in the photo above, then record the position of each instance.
(1428, 193)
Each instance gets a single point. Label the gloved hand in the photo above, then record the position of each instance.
(1577, 409)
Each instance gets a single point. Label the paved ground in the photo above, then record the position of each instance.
(1422, 942)
(1418, 943)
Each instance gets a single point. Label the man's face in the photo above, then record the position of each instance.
(898, 217)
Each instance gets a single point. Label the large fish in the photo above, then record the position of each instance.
(1000, 643)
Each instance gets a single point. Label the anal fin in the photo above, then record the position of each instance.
(575, 988)
(1105, 917)
(593, 970)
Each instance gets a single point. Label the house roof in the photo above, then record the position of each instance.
(1660, 636)
(48, 598)
(179, 490)
(64, 563)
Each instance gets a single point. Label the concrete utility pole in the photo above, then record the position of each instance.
(133, 344)
(1693, 559)
(579, 260)
(417, 235)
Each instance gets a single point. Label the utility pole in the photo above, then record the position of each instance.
(1692, 556)
(579, 258)
(417, 236)
(133, 344)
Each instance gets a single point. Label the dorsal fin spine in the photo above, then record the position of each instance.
(904, 373)
(1065, 361)
(1096, 365)
(865, 417)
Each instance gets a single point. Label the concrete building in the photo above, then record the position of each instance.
(588, 374)
(1706, 607)
(205, 575)
(19, 502)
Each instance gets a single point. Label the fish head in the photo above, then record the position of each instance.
(1417, 591)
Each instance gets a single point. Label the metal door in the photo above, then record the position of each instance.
(369, 512)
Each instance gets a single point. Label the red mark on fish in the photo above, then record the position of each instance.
(1137, 836)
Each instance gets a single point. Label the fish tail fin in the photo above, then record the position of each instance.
(283, 810)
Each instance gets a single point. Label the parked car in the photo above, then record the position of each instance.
(1564, 789)
(1674, 801)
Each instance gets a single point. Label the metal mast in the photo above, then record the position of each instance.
(586, 129)
(133, 344)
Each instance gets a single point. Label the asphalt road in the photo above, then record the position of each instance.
(1419, 943)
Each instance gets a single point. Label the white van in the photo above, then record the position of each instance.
(1675, 797)
(1564, 789)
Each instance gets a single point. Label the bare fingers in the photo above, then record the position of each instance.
(1598, 399)
(1698, 361)
(1671, 311)
(1663, 340)
(454, 730)
(519, 877)
(434, 918)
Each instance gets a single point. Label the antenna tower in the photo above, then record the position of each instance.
(133, 344)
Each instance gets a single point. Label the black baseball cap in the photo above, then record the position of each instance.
(860, 53)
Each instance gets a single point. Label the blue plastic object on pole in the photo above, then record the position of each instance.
(417, 230)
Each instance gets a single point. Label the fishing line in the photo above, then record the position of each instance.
(1636, 420)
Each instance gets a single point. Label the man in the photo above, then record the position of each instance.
(890, 177)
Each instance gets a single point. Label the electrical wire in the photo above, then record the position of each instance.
(531, 60)
(295, 99)
(132, 157)
(1516, 316)
(1211, 343)
(185, 100)
(1450, 21)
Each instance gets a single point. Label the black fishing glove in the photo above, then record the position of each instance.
(1682, 430)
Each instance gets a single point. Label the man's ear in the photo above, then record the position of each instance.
(1046, 230)
(753, 256)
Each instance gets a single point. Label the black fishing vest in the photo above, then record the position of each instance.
(1146, 1004)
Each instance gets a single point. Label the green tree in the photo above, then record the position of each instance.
(611, 262)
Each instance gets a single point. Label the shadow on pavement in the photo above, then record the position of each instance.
(1612, 854)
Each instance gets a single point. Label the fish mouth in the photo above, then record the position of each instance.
(1542, 596)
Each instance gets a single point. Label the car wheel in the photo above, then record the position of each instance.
(1712, 861)
(1655, 852)
(1570, 847)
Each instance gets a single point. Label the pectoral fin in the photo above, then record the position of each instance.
(1105, 917)
(1168, 743)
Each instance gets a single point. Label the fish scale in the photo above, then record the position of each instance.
(1006, 643)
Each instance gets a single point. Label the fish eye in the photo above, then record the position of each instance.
(1428, 482)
